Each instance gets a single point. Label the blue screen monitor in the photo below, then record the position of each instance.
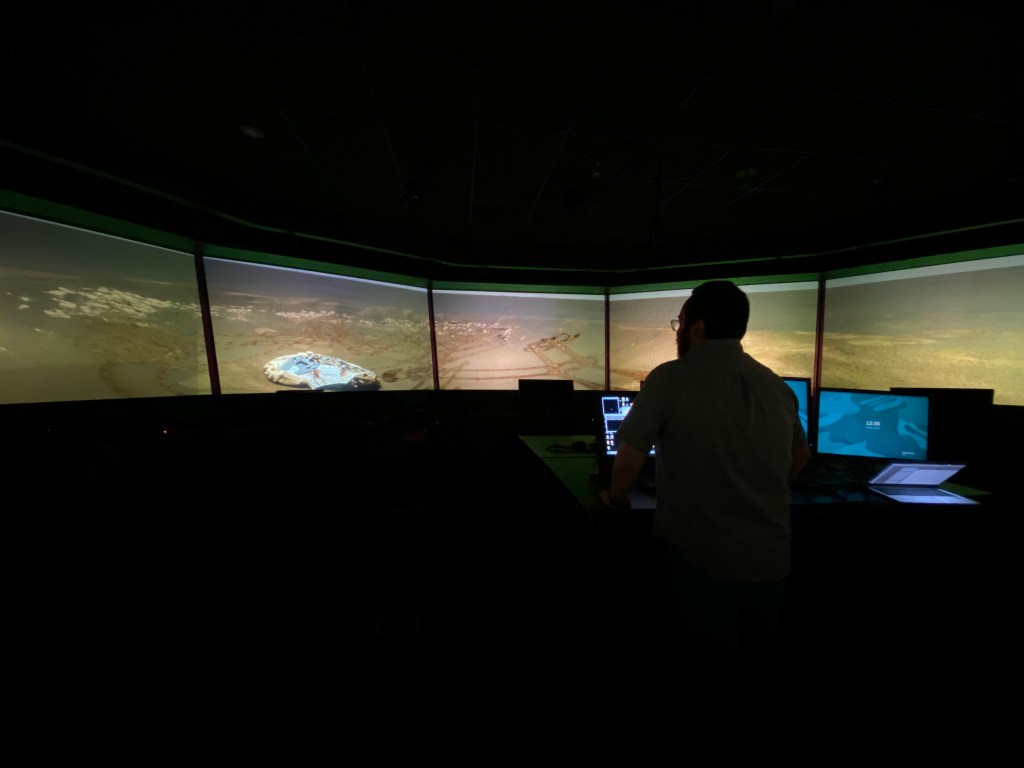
(802, 389)
(872, 424)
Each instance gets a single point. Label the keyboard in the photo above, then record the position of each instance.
(922, 495)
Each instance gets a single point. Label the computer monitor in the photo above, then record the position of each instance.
(872, 424)
(959, 421)
(547, 406)
(801, 387)
(614, 407)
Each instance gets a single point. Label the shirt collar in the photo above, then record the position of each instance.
(709, 345)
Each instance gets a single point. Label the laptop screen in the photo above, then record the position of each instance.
(613, 410)
(906, 473)
(917, 483)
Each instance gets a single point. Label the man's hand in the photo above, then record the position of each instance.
(606, 499)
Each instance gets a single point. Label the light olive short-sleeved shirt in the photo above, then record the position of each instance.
(724, 426)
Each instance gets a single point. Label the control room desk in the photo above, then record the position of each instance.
(580, 472)
(905, 611)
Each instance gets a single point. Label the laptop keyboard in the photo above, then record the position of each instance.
(924, 495)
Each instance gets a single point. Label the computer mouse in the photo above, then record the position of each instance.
(579, 446)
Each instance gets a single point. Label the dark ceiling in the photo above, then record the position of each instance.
(628, 138)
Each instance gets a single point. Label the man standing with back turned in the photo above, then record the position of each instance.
(729, 445)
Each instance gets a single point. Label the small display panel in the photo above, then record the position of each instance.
(613, 410)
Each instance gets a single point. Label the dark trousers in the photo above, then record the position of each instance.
(735, 675)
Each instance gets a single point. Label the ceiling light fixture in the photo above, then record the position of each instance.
(251, 131)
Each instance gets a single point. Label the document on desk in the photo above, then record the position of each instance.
(641, 499)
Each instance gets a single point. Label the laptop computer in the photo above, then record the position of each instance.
(917, 483)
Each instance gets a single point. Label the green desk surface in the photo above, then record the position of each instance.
(578, 470)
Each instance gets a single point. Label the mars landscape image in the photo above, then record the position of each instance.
(780, 333)
(261, 313)
(960, 325)
(490, 340)
(85, 316)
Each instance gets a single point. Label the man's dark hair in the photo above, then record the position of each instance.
(722, 306)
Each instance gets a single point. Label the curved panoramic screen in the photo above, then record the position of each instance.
(955, 325)
(489, 340)
(85, 316)
(279, 329)
(780, 333)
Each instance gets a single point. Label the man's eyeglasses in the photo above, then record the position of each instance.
(675, 322)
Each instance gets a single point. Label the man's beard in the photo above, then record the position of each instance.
(682, 344)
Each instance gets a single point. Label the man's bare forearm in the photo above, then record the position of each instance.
(625, 469)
